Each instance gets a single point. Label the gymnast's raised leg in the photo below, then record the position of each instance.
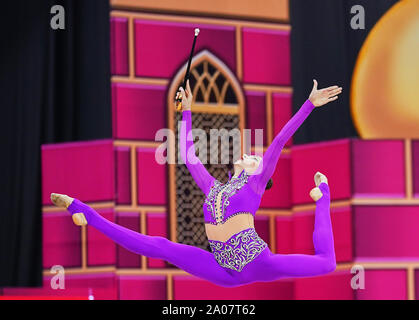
(269, 266)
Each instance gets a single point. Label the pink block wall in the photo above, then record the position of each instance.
(284, 234)
(142, 287)
(101, 286)
(100, 249)
(279, 196)
(333, 286)
(158, 59)
(88, 174)
(281, 113)
(383, 285)
(156, 226)
(119, 46)
(128, 259)
(266, 56)
(123, 175)
(139, 110)
(193, 288)
(151, 178)
(386, 231)
(384, 161)
(256, 114)
(330, 158)
(61, 243)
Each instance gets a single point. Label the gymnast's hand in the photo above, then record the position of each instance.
(323, 96)
(186, 97)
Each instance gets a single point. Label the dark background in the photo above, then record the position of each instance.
(325, 47)
(54, 84)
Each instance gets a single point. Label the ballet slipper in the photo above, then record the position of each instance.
(64, 201)
(316, 193)
(319, 178)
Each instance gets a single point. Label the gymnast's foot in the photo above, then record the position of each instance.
(316, 193)
(64, 201)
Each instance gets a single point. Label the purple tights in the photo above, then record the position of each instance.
(201, 263)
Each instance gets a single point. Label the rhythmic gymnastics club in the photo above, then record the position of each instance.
(179, 99)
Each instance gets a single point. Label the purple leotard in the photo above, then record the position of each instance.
(244, 258)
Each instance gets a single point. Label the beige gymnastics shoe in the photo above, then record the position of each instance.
(319, 178)
(64, 201)
(316, 193)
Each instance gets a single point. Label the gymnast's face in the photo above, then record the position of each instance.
(248, 163)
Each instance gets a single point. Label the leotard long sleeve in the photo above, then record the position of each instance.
(272, 154)
(187, 151)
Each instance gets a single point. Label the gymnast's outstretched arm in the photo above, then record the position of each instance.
(187, 150)
(270, 158)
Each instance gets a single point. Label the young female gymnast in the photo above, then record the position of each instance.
(239, 256)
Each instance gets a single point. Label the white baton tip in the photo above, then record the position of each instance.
(196, 31)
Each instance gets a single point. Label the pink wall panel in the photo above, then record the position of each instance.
(378, 168)
(151, 178)
(266, 56)
(386, 231)
(61, 240)
(100, 249)
(193, 288)
(284, 234)
(123, 175)
(156, 226)
(119, 46)
(262, 228)
(97, 286)
(383, 285)
(139, 111)
(279, 196)
(128, 259)
(142, 287)
(46, 293)
(303, 227)
(330, 158)
(333, 286)
(84, 170)
(159, 59)
(100, 286)
(281, 112)
(256, 114)
(415, 168)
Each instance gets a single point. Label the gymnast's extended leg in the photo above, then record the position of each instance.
(275, 266)
(193, 260)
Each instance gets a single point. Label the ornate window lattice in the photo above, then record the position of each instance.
(217, 104)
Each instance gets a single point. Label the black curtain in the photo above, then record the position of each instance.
(325, 47)
(54, 87)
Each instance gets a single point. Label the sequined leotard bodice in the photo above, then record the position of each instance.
(240, 194)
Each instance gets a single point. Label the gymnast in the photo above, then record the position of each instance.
(239, 256)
